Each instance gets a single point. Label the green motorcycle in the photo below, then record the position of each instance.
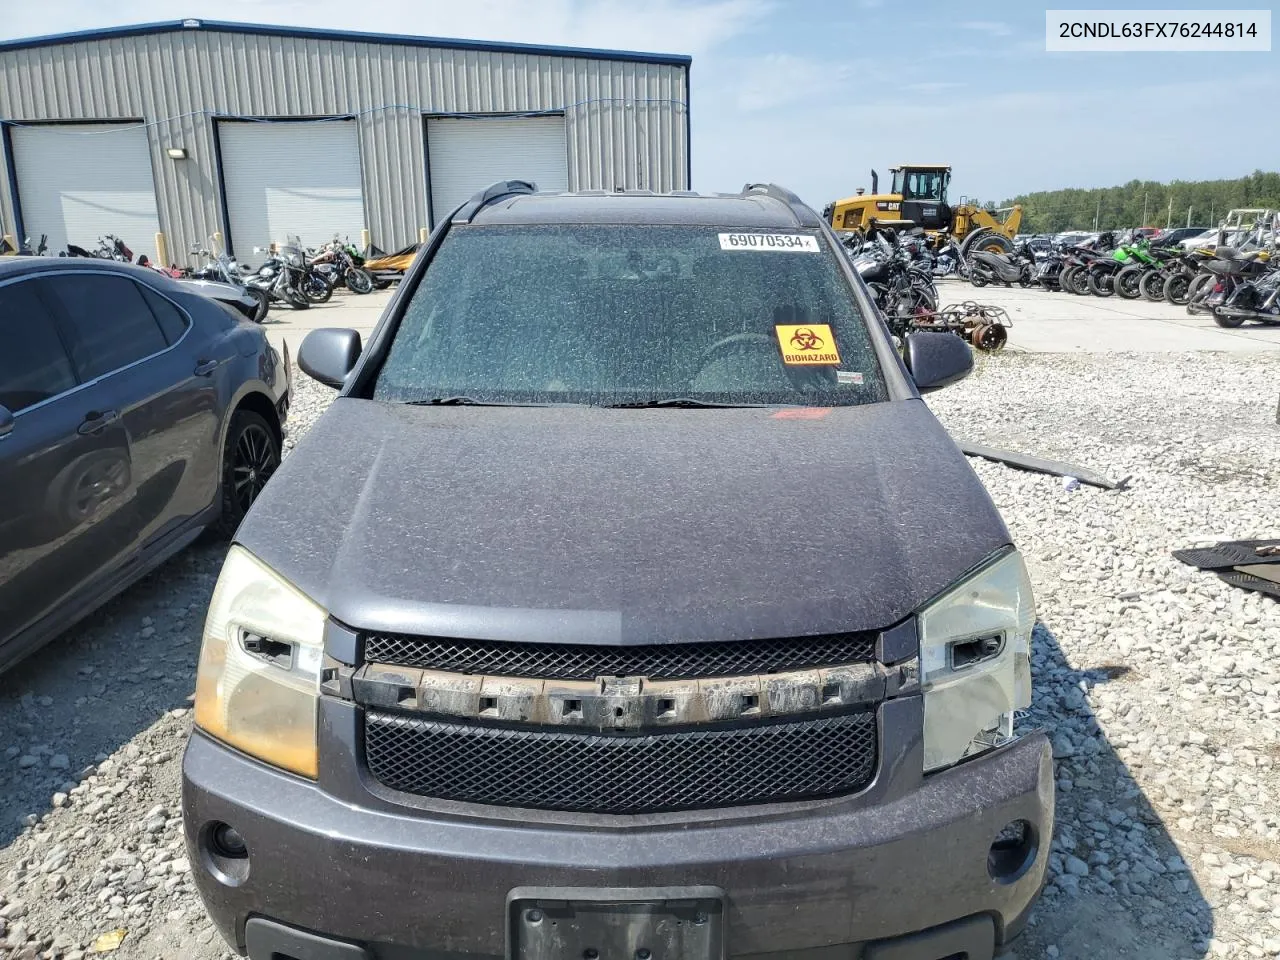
(1132, 281)
(1104, 274)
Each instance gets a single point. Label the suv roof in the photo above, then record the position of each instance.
(758, 205)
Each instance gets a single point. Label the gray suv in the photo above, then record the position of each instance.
(628, 602)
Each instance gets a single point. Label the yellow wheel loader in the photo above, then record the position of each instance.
(918, 197)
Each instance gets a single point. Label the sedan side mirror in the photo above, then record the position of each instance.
(6, 421)
(935, 360)
(328, 355)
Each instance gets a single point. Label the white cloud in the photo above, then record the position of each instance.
(995, 28)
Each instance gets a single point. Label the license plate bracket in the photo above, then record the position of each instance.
(615, 923)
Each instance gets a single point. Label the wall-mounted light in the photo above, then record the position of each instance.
(176, 153)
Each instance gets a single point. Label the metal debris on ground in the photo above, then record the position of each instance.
(1230, 553)
(1025, 461)
(1248, 564)
(984, 325)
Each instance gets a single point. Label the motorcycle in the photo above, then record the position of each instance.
(223, 270)
(1185, 272)
(1254, 244)
(1171, 262)
(109, 248)
(946, 258)
(389, 268)
(1146, 260)
(1102, 272)
(236, 296)
(24, 248)
(1219, 285)
(338, 263)
(1047, 272)
(283, 277)
(1077, 259)
(1250, 298)
(986, 267)
(899, 278)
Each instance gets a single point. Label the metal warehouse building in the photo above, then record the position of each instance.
(256, 133)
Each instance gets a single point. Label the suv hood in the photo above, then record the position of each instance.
(574, 524)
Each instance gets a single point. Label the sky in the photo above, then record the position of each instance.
(813, 94)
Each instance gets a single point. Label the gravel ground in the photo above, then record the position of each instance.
(1159, 684)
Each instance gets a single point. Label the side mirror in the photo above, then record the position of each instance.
(935, 360)
(6, 421)
(328, 355)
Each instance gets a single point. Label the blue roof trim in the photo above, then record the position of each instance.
(312, 33)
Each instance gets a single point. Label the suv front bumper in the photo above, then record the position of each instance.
(362, 878)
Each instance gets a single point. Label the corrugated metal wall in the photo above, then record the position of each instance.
(625, 120)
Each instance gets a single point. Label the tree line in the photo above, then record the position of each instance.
(1145, 203)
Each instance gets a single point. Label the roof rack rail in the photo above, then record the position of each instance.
(803, 214)
(491, 194)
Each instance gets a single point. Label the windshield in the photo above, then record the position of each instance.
(620, 314)
(924, 185)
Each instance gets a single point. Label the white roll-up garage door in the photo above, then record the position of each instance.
(78, 182)
(291, 179)
(466, 155)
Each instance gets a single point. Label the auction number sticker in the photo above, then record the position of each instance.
(809, 344)
(778, 242)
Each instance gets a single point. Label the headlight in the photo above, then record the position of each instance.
(258, 684)
(975, 661)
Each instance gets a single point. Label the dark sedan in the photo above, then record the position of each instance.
(134, 413)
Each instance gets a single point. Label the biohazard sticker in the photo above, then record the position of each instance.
(810, 344)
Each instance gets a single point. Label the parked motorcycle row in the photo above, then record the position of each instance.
(291, 275)
(109, 248)
(1231, 283)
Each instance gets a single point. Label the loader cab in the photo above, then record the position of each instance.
(924, 194)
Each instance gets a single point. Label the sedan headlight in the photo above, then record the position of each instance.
(975, 661)
(258, 684)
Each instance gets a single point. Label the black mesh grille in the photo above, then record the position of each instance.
(672, 770)
(566, 661)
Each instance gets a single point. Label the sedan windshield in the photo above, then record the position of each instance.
(622, 315)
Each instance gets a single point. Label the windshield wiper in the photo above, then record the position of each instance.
(461, 401)
(465, 401)
(677, 402)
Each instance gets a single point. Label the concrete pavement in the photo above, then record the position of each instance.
(1043, 322)
(344, 309)
(1048, 322)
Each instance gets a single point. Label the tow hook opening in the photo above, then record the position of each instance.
(1013, 851)
(225, 853)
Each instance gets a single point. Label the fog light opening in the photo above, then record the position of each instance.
(228, 843)
(225, 853)
(1013, 851)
